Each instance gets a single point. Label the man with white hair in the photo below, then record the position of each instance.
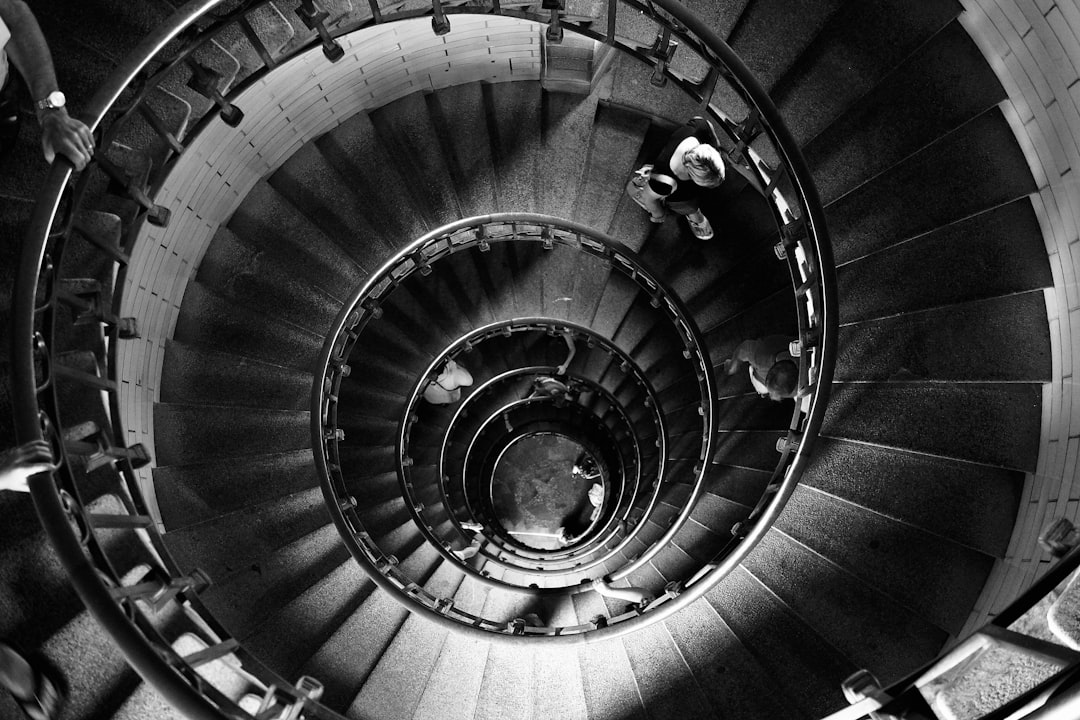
(689, 162)
(21, 40)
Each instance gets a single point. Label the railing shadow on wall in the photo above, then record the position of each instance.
(149, 608)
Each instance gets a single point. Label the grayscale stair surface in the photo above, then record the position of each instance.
(881, 552)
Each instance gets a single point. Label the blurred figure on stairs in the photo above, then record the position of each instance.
(446, 387)
(21, 39)
(773, 370)
(689, 162)
(18, 464)
(33, 683)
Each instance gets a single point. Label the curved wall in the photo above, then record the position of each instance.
(1034, 48)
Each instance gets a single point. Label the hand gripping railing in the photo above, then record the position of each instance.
(365, 306)
(759, 141)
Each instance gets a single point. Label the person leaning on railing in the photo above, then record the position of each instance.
(21, 40)
(773, 370)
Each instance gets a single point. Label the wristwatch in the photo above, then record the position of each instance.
(53, 101)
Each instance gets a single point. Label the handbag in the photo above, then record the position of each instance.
(639, 191)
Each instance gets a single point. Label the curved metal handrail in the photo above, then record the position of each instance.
(573, 554)
(523, 372)
(365, 305)
(801, 217)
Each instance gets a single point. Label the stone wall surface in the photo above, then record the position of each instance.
(1034, 47)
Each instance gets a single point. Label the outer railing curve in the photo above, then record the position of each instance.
(761, 143)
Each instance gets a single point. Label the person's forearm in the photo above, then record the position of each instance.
(28, 50)
(740, 357)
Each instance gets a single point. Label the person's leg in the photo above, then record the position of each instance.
(699, 224)
(39, 695)
(9, 114)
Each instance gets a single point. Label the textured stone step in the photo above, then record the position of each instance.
(866, 625)
(208, 320)
(857, 48)
(271, 224)
(997, 252)
(199, 491)
(995, 424)
(607, 676)
(985, 168)
(200, 375)
(998, 340)
(407, 133)
(195, 433)
(663, 678)
(457, 113)
(970, 504)
(793, 658)
(244, 600)
(725, 667)
(336, 206)
(346, 659)
(892, 122)
(513, 127)
(297, 630)
(616, 139)
(354, 150)
(230, 543)
(889, 556)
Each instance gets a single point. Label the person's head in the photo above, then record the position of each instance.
(705, 166)
(782, 380)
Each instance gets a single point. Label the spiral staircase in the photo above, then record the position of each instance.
(748, 557)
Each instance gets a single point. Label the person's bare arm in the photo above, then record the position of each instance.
(19, 463)
(741, 356)
(60, 133)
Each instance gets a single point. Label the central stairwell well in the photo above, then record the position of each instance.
(881, 550)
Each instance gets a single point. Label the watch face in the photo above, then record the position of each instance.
(56, 99)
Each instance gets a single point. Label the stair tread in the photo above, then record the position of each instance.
(892, 122)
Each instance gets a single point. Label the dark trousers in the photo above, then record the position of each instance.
(10, 117)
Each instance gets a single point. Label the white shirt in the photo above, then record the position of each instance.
(5, 35)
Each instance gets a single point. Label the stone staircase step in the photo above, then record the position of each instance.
(195, 433)
(722, 664)
(270, 223)
(207, 320)
(889, 556)
(345, 660)
(513, 126)
(924, 346)
(244, 600)
(230, 543)
(973, 505)
(985, 169)
(353, 149)
(457, 114)
(866, 625)
(799, 664)
(993, 253)
(196, 492)
(860, 45)
(890, 123)
(330, 201)
(406, 131)
(942, 420)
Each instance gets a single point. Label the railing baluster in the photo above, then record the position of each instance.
(256, 43)
(314, 18)
(155, 214)
(207, 82)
